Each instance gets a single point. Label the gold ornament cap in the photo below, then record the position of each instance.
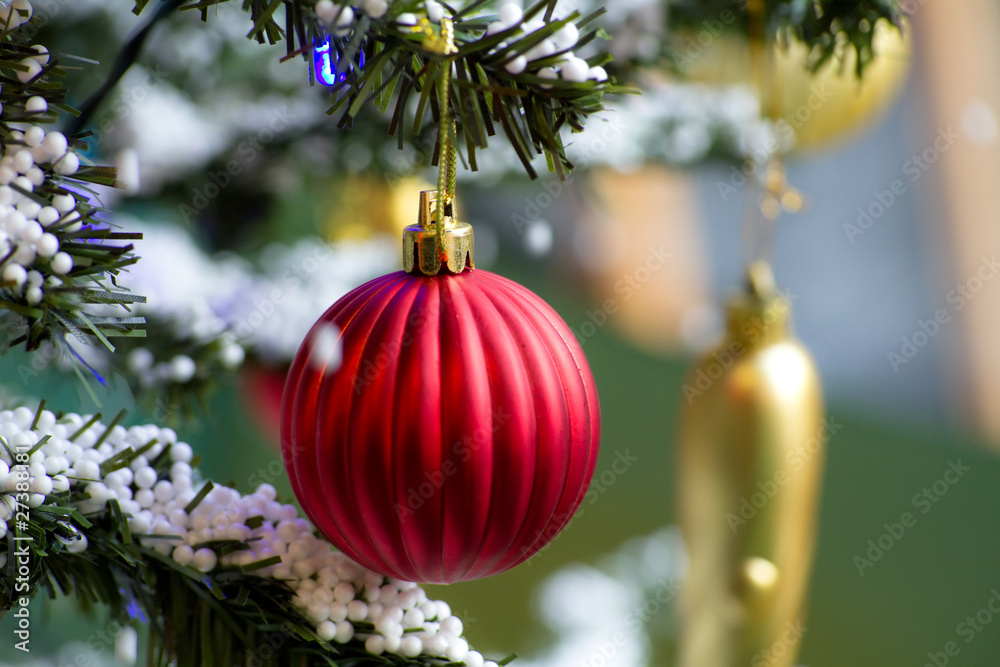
(760, 314)
(430, 250)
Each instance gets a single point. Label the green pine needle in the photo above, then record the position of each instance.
(397, 64)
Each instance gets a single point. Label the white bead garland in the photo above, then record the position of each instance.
(332, 591)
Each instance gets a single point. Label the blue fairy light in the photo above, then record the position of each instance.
(327, 62)
(133, 609)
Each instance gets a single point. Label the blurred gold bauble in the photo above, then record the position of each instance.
(750, 460)
(362, 206)
(823, 107)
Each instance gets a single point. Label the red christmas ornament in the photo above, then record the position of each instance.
(456, 437)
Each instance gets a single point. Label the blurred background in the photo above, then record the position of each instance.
(889, 267)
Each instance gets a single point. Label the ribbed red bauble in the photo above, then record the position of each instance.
(459, 431)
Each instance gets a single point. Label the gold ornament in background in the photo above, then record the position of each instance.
(363, 206)
(750, 459)
(822, 107)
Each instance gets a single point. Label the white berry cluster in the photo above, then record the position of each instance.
(28, 154)
(676, 124)
(637, 28)
(268, 311)
(180, 368)
(332, 591)
(432, 9)
(569, 68)
(219, 308)
(206, 355)
(338, 17)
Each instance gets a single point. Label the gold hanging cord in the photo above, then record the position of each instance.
(439, 241)
(760, 218)
(447, 154)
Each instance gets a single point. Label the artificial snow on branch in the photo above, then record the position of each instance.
(119, 516)
(207, 314)
(58, 260)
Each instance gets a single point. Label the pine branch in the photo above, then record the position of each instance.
(381, 60)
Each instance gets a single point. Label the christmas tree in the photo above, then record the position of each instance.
(287, 110)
